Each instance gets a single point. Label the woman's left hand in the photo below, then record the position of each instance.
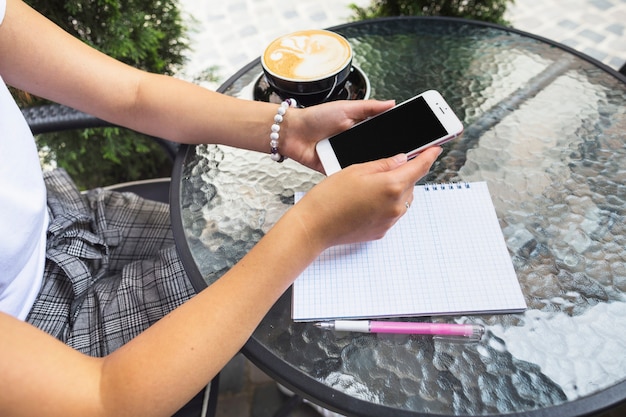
(303, 128)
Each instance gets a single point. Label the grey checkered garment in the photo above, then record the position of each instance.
(111, 269)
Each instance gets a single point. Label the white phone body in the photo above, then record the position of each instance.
(410, 127)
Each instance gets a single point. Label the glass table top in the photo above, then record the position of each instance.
(545, 129)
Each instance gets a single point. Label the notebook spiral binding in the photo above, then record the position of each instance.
(447, 186)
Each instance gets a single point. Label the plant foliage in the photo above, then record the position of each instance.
(146, 34)
(485, 10)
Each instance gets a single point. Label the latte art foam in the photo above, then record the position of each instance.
(307, 55)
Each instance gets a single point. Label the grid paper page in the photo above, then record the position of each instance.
(447, 255)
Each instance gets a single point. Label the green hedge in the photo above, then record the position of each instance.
(485, 10)
(147, 34)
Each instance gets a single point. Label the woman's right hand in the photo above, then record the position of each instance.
(361, 202)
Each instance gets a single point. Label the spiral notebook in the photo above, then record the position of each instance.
(445, 256)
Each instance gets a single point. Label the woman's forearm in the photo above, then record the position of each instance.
(187, 113)
(50, 63)
(209, 329)
(165, 366)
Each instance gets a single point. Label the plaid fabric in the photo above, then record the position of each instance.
(111, 269)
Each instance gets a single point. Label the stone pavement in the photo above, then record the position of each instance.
(229, 34)
(594, 27)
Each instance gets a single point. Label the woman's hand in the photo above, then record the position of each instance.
(303, 128)
(362, 201)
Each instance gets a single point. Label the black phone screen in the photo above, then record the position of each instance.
(400, 130)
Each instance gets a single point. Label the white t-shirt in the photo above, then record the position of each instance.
(23, 210)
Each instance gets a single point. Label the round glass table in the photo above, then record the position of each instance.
(546, 129)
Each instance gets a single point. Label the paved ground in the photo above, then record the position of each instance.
(229, 34)
(594, 27)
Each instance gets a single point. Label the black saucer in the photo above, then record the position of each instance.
(357, 87)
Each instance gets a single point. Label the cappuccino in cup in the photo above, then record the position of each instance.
(308, 65)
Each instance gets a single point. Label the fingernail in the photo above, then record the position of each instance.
(401, 158)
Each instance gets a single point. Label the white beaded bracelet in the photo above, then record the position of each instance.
(274, 136)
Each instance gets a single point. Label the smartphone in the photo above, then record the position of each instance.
(410, 127)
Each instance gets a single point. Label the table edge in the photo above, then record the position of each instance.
(595, 403)
(176, 220)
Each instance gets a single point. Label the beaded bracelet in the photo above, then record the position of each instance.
(280, 115)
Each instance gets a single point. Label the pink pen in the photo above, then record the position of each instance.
(473, 332)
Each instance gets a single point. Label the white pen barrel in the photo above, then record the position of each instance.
(362, 326)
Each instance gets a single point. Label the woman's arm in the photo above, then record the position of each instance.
(39, 57)
(162, 368)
